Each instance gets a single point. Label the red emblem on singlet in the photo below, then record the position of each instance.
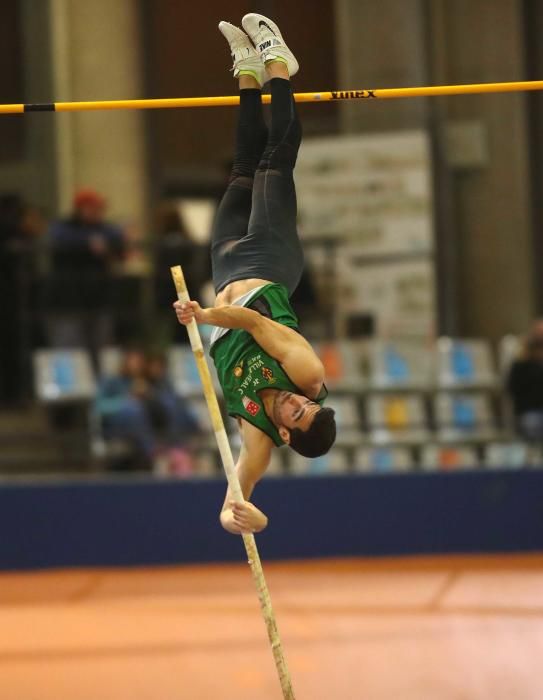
(251, 407)
(267, 374)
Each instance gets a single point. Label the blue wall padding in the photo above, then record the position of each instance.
(143, 522)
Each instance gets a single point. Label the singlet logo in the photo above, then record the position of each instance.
(251, 407)
(268, 375)
(252, 378)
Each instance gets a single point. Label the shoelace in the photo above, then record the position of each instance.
(241, 48)
(242, 58)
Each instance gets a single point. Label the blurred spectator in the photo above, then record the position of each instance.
(525, 384)
(21, 227)
(83, 247)
(173, 417)
(120, 405)
(174, 246)
(143, 419)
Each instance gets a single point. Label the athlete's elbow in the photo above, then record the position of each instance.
(314, 388)
(263, 525)
(315, 381)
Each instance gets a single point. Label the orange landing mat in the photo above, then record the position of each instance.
(466, 628)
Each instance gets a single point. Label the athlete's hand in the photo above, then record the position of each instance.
(188, 311)
(243, 518)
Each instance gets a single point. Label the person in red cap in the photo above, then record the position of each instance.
(83, 248)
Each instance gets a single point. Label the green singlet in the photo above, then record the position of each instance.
(244, 369)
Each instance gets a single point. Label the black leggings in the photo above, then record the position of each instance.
(255, 234)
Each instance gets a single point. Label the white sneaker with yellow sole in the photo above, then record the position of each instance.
(268, 41)
(243, 52)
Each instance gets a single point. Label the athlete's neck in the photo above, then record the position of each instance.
(269, 397)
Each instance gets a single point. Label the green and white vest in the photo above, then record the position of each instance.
(245, 369)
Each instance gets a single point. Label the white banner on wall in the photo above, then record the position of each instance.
(372, 195)
(399, 296)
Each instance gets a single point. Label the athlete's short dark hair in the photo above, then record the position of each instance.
(320, 436)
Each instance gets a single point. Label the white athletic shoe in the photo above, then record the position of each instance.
(243, 52)
(268, 41)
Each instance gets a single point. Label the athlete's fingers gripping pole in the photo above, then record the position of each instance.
(235, 488)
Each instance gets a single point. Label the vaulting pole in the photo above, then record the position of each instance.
(235, 488)
(333, 96)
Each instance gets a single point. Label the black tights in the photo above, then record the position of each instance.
(255, 234)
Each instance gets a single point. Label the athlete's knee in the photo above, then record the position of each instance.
(280, 162)
(289, 132)
(284, 153)
(241, 177)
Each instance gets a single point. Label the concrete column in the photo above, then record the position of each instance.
(495, 287)
(380, 44)
(34, 176)
(96, 55)
(485, 242)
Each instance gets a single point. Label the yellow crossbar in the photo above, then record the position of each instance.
(331, 96)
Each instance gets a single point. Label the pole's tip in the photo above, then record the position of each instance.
(179, 279)
(179, 282)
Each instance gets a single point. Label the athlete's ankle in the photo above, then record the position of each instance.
(277, 68)
(248, 80)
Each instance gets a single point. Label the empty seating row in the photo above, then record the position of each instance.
(407, 364)
(350, 366)
(64, 375)
(430, 457)
(411, 418)
(386, 417)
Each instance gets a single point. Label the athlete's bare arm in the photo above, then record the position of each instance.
(284, 344)
(253, 460)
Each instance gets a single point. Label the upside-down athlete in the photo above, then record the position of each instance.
(273, 382)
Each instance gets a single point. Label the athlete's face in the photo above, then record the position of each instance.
(293, 411)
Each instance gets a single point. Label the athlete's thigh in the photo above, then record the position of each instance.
(233, 213)
(274, 206)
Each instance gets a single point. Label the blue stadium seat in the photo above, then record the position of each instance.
(335, 462)
(507, 455)
(383, 459)
(402, 364)
(464, 364)
(462, 416)
(183, 371)
(63, 375)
